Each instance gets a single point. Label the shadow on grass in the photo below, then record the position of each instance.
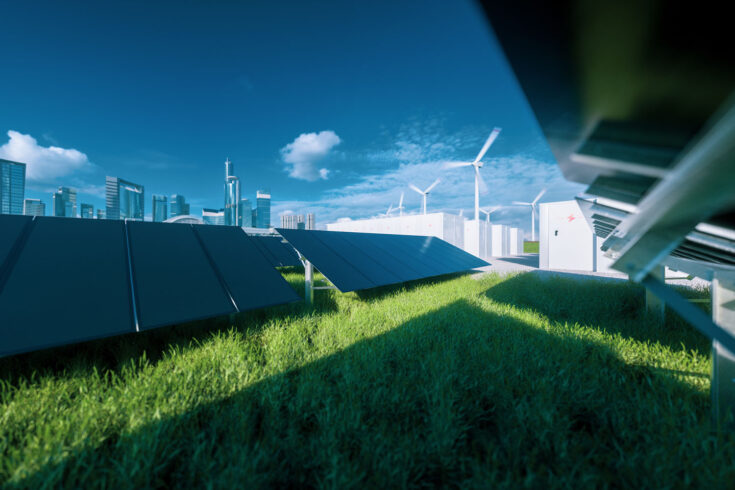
(456, 397)
(614, 306)
(114, 353)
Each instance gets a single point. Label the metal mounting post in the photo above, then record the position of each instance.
(723, 360)
(308, 282)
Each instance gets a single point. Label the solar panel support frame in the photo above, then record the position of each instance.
(309, 286)
(723, 360)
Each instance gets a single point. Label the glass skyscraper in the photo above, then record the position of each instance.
(160, 208)
(65, 202)
(310, 221)
(245, 212)
(179, 206)
(213, 216)
(124, 200)
(232, 195)
(12, 186)
(100, 213)
(86, 211)
(263, 203)
(34, 207)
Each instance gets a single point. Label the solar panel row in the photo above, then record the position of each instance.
(354, 261)
(70, 280)
(278, 253)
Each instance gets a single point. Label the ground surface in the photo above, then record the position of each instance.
(464, 381)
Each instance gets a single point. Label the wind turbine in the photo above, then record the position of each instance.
(533, 212)
(400, 206)
(479, 183)
(390, 210)
(424, 193)
(461, 212)
(489, 211)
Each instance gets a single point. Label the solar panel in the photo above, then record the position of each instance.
(354, 261)
(251, 281)
(174, 280)
(278, 253)
(12, 227)
(70, 283)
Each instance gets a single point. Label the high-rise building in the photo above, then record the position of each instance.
(310, 221)
(263, 206)
(213, 216)
(65, 202)
(34, 207)
(100, 213)
(232, 195)
(179, 206)
(86, 211)
(245, 212)
(292, 221)
(12, 186)
(124, 200)
(254, 217)
(160, 208)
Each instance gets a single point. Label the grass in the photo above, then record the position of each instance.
(512, 381)
(530, 247)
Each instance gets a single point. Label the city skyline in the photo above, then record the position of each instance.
(336, 128)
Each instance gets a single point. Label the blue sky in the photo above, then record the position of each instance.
(334, 106)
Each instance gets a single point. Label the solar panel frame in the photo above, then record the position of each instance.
(34, 304)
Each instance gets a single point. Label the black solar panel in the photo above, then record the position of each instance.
(278, 253)
(12, 227)
(354, 261)
(70, 283)
(174, 280)
(250, 280)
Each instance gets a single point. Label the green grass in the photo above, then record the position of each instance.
(530, 247)
(497, 382)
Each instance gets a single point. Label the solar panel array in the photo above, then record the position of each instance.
(70, 280)
(354, 261)
(278, 252)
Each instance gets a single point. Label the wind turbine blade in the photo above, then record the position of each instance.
(493, 209)
(490, 139)
(539, 196)
(400, 203)
(481, 181)
(518, 203)
(432, 186)
(457, 164)
(416, 189)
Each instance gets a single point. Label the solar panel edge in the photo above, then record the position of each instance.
(215, 268)
(281, 286)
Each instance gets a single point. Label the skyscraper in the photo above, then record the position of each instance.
(232, 195)
(100, 213)
(160, 208)
(292, 221)
(245, 212)
(12, 186)
(86, 211)
(213, 216)
(34, 207)
(124, 200)
(179, 206)
(310, 221)
(65, 202)
(263, 203)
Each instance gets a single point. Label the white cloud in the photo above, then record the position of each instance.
(44, 164)
(305, 152)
